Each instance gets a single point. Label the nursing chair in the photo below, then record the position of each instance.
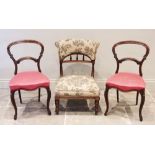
(127, 81)
(77, 86)
(28, 80)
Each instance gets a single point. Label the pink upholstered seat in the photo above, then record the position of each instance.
(126, 81)
(29, 81)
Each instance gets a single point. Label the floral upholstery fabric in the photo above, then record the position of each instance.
(77, 85)
(70, 46)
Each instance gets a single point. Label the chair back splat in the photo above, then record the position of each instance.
(138, 62)
(16, 62)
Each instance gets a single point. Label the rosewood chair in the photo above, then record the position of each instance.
(77, 86)
(126, 81)
(28, 80)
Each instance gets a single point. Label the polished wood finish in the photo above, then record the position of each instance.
(79, 58)
(138, 62)
(16, 62)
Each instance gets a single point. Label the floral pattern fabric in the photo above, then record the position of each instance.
(77, 85)
(69, 46)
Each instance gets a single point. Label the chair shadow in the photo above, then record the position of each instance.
(34, 108)
(79, 106)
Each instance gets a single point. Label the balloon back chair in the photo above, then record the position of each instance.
(127, 81)
(77, 86)
(28, 80)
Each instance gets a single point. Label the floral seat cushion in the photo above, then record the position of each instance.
(77, 85)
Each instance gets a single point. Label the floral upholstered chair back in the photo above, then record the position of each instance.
(71, 46)
(77, 47)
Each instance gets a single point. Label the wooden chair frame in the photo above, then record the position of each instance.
(16, 62)
(77, 60)
(119, 61)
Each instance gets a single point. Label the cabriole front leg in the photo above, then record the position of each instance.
(142, 104)
(48, 100)
(106, 100)
(12, 93)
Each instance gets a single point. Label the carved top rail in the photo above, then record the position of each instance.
(16, 62)
(138, 62)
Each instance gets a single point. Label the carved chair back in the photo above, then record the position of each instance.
(17, 61)
(138, 62)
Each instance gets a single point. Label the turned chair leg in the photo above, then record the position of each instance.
(141, 105)
(48, 100)
(57, 106)
(117, 95)
(14, 104)
(96, 106)
(19, 92)
(137, 95)
(106, 100)
(39, 92)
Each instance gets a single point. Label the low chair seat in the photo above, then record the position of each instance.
(126, 81)
(29, 81)
(77, 85)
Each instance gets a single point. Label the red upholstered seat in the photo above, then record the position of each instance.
(126, 81)
(29, 81)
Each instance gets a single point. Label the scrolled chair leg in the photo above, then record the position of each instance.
(106, 100)
(12, 93)
(142, 104)
(48, 100)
